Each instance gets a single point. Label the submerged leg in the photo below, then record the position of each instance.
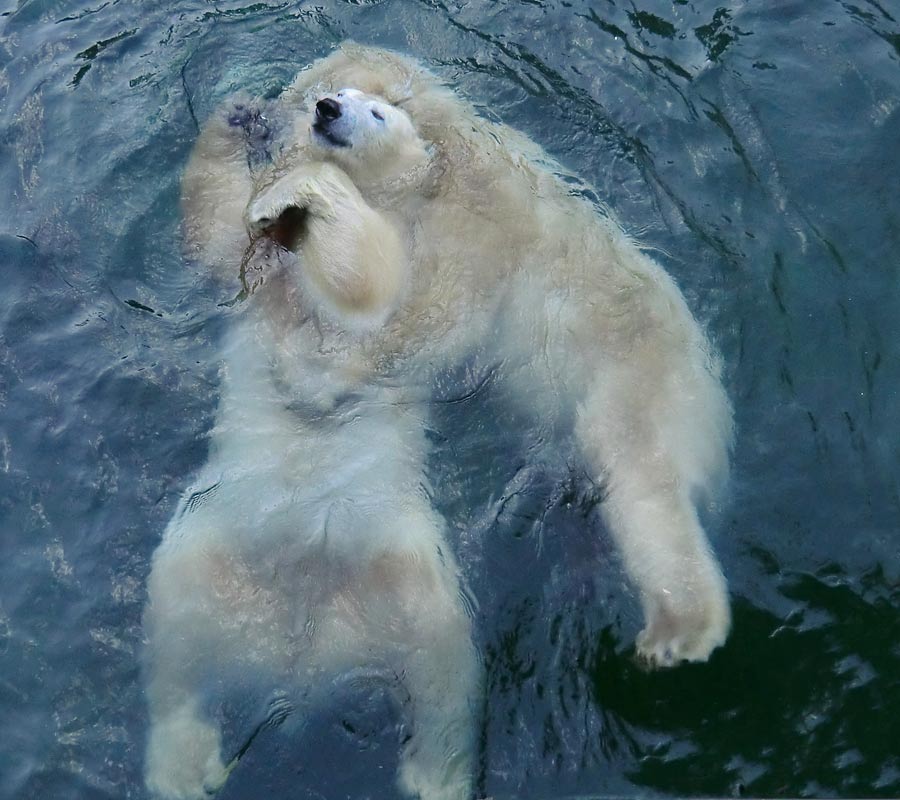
(183, 758)
(206, 615)
(442, 676)
(416, 618)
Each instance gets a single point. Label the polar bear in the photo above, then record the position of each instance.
(383, 232)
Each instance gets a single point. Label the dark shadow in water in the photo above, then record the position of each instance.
(825, 679)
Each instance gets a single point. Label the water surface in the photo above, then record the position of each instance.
(752, 147)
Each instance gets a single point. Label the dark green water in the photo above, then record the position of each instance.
(754, 146)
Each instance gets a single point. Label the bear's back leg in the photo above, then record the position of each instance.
(655, 430)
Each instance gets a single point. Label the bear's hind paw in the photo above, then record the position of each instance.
(675, 636)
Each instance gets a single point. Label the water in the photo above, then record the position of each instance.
(753, 147)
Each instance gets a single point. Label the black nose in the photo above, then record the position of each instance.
(328, 109)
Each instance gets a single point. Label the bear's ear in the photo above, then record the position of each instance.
(399, 93)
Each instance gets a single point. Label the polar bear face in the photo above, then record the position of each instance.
(365, 133)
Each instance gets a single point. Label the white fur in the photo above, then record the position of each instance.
(427, 235)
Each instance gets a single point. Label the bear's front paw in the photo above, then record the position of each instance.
(684, 626)
(310, 188)
(250, 118)
(249, 122)
(183, 759)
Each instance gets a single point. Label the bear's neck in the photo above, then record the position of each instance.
(389, 187)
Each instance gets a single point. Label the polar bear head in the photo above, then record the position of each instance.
(365, 133)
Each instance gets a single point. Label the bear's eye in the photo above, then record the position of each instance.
(378, 115)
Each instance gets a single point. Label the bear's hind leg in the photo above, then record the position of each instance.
(657, 439)
(442, 677)
(183, 760)
(420, 623)
(199, 611)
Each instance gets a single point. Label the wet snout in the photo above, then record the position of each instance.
(333, 122)
(327, 110)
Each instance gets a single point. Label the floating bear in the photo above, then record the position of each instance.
(388, 236)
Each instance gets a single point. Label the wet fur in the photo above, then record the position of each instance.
(318, 547)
